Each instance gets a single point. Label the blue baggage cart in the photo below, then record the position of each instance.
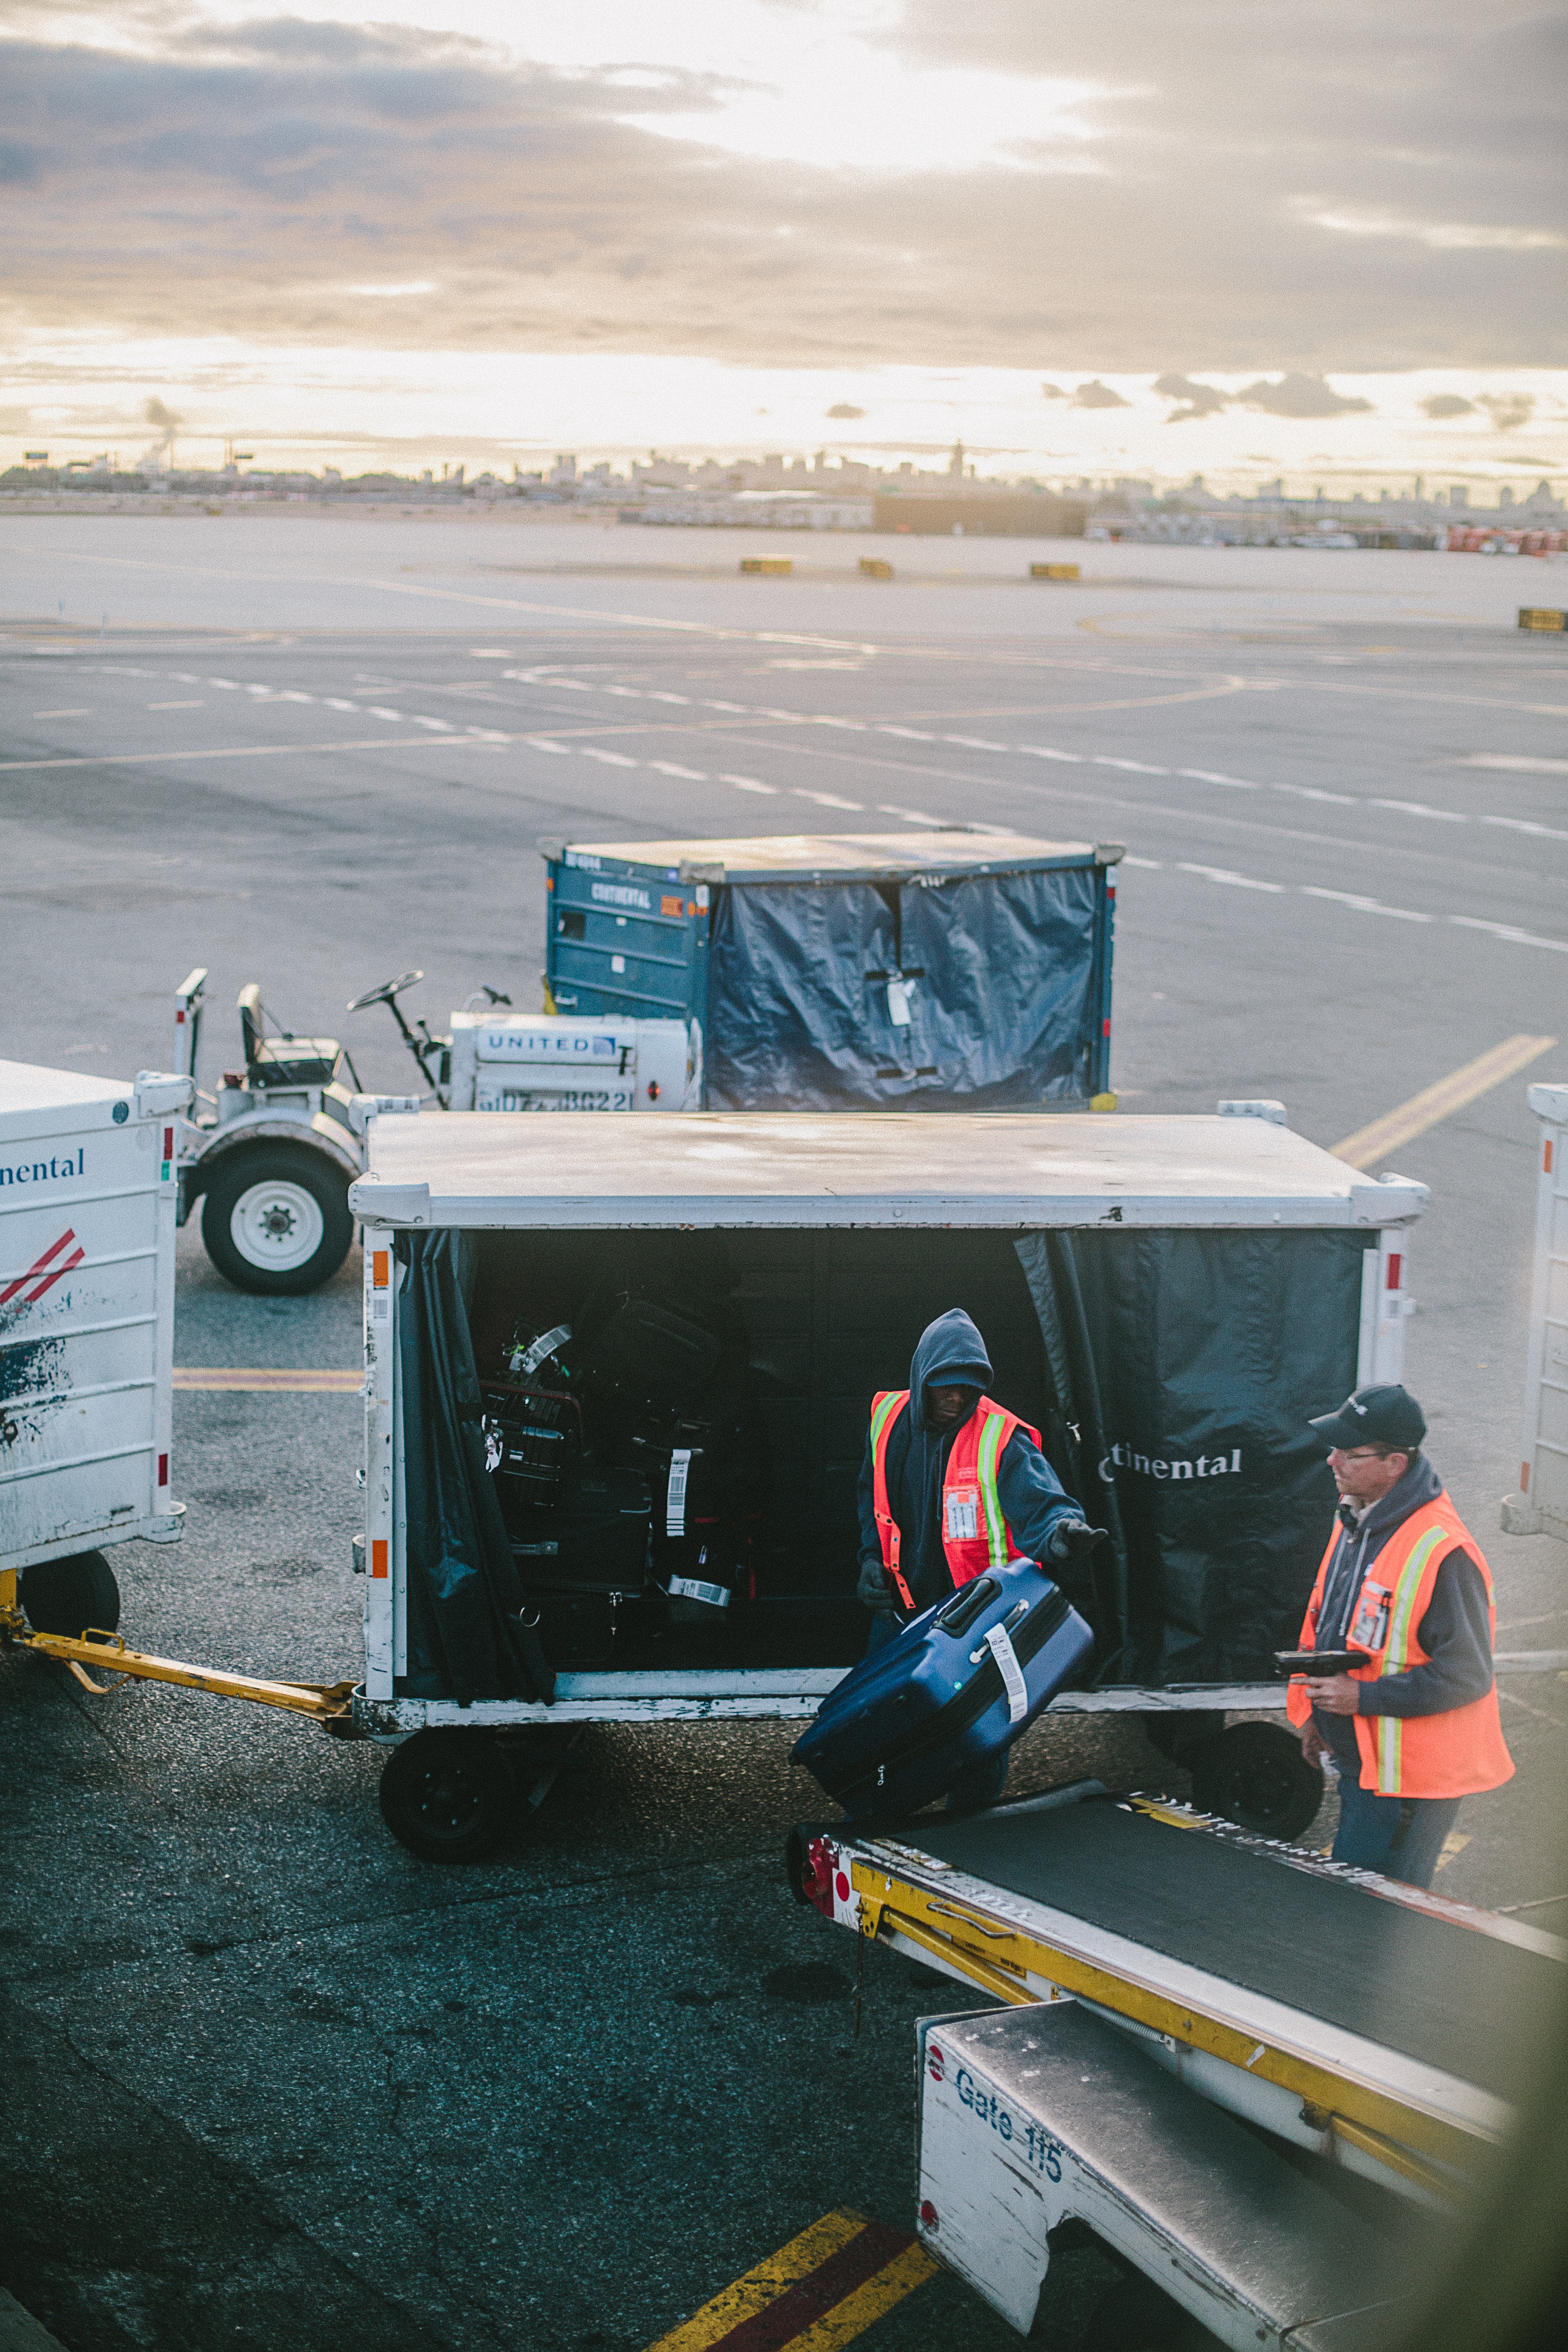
(955, 970)
(957, 1685)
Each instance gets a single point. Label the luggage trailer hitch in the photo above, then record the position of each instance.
(875, 1888)
(329, 1704)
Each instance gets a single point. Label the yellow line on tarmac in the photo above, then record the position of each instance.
(763, 2284)
(857, 2312)
(1370, 1144)
(301, 1382)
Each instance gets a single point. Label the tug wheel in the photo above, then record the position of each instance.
(275, 1220)
(447, 1796)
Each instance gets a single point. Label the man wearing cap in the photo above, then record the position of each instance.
(1416, 1729)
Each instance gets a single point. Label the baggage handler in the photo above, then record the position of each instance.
(953, 1483)
(1416, 1729)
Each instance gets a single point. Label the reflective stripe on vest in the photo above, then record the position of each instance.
(1386, 1729)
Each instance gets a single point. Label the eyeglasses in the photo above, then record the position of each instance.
(1361, 1454)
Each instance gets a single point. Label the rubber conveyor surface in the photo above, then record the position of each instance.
(1444, 1994)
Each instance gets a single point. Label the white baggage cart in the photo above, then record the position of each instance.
(87, 1185)
(1540, 1507)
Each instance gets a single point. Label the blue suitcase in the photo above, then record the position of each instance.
(957, 1685)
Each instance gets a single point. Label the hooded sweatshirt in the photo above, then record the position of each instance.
(952, 1354)
(1455, 1632)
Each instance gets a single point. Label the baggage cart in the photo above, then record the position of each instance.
(956, 970)
(1167, 1299)
(1540, 1507)
(86, 1317)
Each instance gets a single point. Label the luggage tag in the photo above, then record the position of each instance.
(962, 1506)
(999, 1641)
(1369, 1626)
(674, 1494)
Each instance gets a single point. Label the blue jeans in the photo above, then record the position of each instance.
(1400, 1836)
(976, 1784)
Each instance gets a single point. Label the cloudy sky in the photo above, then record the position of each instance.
(1242, 236)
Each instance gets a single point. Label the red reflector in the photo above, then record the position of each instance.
(163, 1469)
(1524, 1478)
(1395, 1263)
(168, 1143)
(1547, 1166)
(379, 1260)
(928, 2215)
(816, 1885)
(1105, 1026)
(378, 1556)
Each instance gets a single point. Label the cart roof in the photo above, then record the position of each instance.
(28, 1088)
(627, 1169)
(809, 856)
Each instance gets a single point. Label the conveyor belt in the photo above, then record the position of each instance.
(1443, 1994)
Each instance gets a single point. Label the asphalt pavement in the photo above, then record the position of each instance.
(270, 2078)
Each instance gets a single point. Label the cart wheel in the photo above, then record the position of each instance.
(275, 1220)
(71, 1596)
(447, 1796)
(1136, 2316)
(1255, 1775)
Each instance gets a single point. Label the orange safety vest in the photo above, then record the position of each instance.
(1455, 1754)
(975, 1534)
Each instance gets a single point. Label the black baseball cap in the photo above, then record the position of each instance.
(1387, 1415)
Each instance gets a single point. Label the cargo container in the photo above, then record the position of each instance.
(1540, 1507)
(956, 970)
(88, 1188)
(1166, 1299)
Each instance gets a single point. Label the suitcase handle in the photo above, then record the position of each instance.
(966, 1604)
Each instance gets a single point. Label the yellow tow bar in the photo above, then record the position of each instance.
(329, 1703)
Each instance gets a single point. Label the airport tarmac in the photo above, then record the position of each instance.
(271, 2079)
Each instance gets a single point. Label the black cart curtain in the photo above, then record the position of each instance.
(467, 1640)
(1184, 1367)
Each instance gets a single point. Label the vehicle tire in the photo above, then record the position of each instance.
(1135, 2315)
(447, 1796)
(1255, 1775)
(71, 1596)
(1179, 1737)
(276, 1219)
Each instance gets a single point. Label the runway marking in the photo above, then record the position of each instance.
(821, 2290)
(1370, 1144)
(1501, 760)
(750, 784)
(1223, 873)
(260, 752)
(1364, 905)
(271, 1382)
(83, 713)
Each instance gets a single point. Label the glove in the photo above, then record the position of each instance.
(1071, 1539)
(873, 1589)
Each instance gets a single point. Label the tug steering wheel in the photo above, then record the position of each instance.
(384, 994)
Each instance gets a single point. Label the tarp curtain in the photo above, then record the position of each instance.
(467, 1639)
(1001, 1009)
(1185, 1365)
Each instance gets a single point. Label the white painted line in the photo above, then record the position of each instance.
(656, 696)
(1365, 906)
(750, 784)
(176, 706)
(572, 685)
(909, 816)
(488, 734)
(1508, 759)
(1236, 881)
(826, 800)
(542, 743)
(230, 685)
(1511, 932)
(376, 711)
(1523, 824)
(858, 727)
(1419, 808)
(290, 694)
(610, 759)
(1154, 865)
(83, 713)
(1041, 751)
(438, 725)
(488, 653)
(726, 706)
(668, 767)
(915, 734)
(332, 701)
(977, 743)
(1208, 776)
(237, 751)
(1139, 767)
(632, 693)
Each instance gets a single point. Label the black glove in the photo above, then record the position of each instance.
(874, 1590)
(1071, 1539)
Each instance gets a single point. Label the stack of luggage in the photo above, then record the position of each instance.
(627, 1468)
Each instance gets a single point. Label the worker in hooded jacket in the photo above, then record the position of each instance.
(953, 1483)
(1416, 1730)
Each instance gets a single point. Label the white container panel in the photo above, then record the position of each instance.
(1542, 1504)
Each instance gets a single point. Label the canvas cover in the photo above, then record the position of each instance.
(1001, 1011)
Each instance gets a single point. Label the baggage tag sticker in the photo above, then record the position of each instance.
(999, 1641)
(1369, 1626)
(675, 1495)
(963, 1509)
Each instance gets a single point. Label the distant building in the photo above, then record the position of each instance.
(981, 514)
